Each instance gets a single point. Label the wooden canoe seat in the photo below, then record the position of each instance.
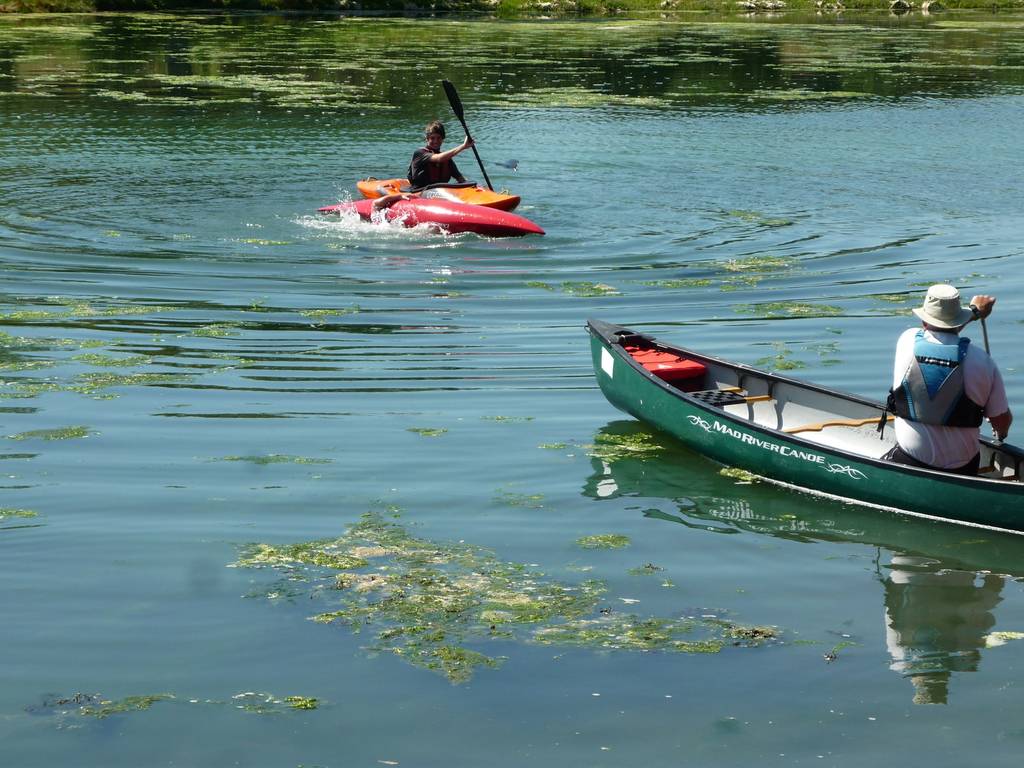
(817, 427)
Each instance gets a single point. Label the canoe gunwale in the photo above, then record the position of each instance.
(611, 335)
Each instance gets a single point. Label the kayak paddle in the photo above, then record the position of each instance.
(453, 99)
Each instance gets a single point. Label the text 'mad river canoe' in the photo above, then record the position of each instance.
(794, 433)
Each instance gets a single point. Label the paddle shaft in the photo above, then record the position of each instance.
(456, 102)
(984, 333)
(984, 328)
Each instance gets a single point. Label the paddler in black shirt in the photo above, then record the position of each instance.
(432, 166)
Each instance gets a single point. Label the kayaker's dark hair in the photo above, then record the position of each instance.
(434, 126)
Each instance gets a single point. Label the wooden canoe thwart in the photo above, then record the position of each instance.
(795, 433)
(834, 423)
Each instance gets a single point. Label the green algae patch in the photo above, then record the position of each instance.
(423, 602)
(215, 331)
(892, 298)
(109, 361)
(682, 282)
(301, 702)
(647, 569)
(319, 316)
(96, 706)
(105, 708)
(83, 309)
(750, 634)
(65, 433)
(757, 264)
(782, 360)
(323, 553)
(427, 431)
(94, 384)
(825, 349)
(75, 308)
(740, 283)
(741, 476)
(805, 94)
(780, 363)
(585, 289)
(628, 632)
(603, 541)
(531, 500)
(839, 647)
(22, 513)
(276, 458)
(261, 703)
(508, 419)
(437, 605)
(455, 663)
(29, 315)
(615, 446)
(22, 364)
(553, 446)
(775, 309)
(574, 97)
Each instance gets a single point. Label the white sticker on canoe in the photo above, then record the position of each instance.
(607, 362)
(784, 450)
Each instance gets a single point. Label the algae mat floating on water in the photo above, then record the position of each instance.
(98, 707)
(438, 605)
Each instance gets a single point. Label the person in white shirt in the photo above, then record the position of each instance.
(943, 387)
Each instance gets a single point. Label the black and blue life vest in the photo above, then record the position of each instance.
(932, 390)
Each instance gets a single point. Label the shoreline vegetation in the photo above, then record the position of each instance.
(506, 8)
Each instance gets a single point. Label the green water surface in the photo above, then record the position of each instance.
(287, 490)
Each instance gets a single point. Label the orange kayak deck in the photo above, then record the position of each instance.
(472, 194)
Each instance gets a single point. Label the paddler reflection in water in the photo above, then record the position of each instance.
(943, 387)
(432, 166)
(937, 622)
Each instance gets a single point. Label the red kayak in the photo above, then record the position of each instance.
(446, 215)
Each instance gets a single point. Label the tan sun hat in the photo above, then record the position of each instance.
(942, 308)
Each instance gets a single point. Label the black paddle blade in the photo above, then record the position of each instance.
(456, 102)
(453, 97)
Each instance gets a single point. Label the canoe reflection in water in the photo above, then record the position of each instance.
(936, 622)
(939, 595)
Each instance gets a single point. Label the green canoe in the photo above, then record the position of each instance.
(794, 433)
